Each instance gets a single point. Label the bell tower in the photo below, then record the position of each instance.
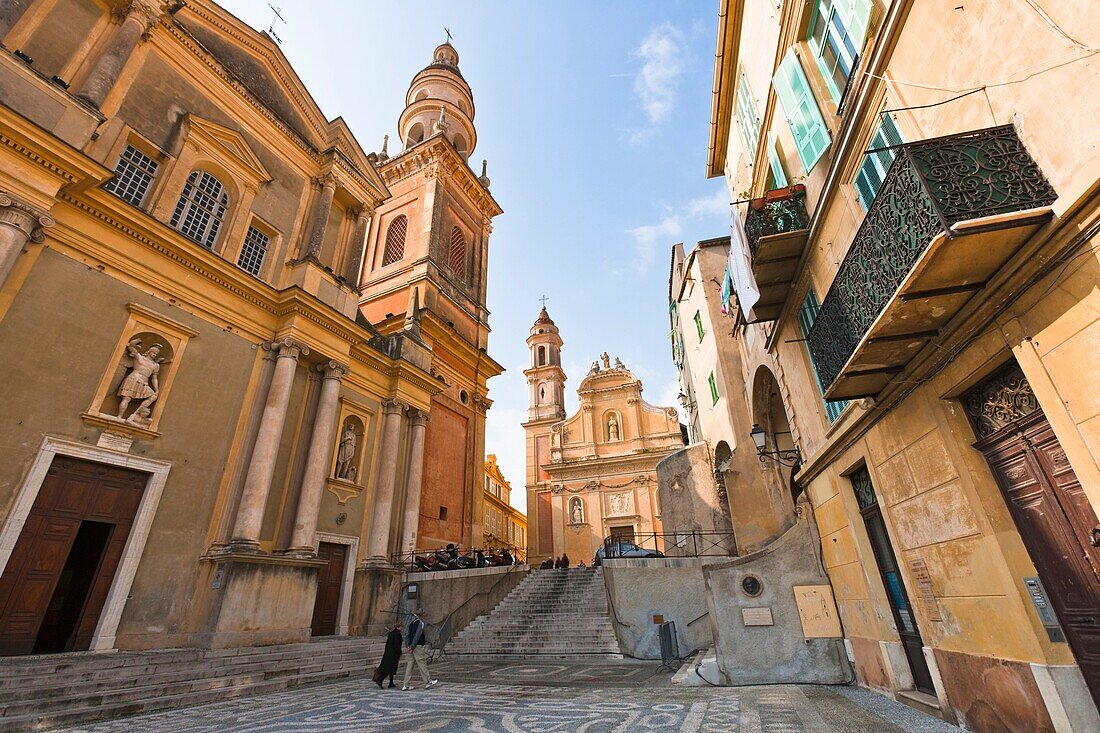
(545, 377)
(428, 244)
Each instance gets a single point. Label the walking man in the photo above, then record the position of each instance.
(415, 643)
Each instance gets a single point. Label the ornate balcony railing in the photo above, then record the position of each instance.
(778, 212)
(931, 186)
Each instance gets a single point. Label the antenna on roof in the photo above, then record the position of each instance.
(277, 17)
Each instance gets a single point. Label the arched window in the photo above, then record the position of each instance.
(458, 253)
(542, 356)
(416, 135)
(395, 240)
(201, 208)
(460, 145)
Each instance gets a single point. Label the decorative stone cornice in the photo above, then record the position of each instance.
(436, 158)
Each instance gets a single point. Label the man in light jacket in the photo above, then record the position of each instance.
(415, 643)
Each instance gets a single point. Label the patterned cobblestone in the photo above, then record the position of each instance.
(533, 698)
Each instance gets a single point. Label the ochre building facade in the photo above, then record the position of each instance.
(592, 475)
(918, 303)
(195, 390)
(505, 525)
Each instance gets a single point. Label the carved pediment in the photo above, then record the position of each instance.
(226, 146)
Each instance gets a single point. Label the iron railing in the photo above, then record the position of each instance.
(671, 544)
(931, 186)
(462, 558)
(779, 211)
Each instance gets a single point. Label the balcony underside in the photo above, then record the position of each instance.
(774, 266)
(950, 272)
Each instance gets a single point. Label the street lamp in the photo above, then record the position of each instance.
(790, 458)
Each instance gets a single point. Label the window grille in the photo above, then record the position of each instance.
(201, 208)
(253, 251)
(134, 173)
(395, 240)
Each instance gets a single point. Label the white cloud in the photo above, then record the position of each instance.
(663, 54)
(669, 228)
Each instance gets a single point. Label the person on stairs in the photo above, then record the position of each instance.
(564, 561)
(391, 658)
(415, 643)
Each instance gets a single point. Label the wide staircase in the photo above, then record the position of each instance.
(555, 614)
(44, 691)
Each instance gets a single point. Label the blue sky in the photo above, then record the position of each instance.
(593, 117)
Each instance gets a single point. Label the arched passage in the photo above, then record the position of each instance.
(769, 413)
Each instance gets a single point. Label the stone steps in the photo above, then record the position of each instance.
(39, 692)
(552, 614)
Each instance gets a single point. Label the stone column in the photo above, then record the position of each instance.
(139, 19)
(358, 246)
(19, 225)
(261, 469)
(418, 420)
(318, 460)
(321, 211)
(378, 541)
(10, 13)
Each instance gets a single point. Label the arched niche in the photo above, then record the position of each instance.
(770, 414)
(577, 512)
(138, 379)
(613, 429)
(347, 463)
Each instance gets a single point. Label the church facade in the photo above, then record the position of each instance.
(592, 475)
(194, 388)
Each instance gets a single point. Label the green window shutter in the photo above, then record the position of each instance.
(713, 389)
(811, 136)
(807, 314)
(747, 119)
(779, 176)
(872, 171)
(857, 18)
(699, 326)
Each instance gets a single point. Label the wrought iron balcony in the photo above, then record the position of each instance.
(776, 227)
(951, 211)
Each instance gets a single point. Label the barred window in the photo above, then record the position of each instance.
(201, 208)
(133, 174)
(253, 251)
(458, 252)
(395, 240)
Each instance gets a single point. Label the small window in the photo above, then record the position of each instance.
(873, 170)
(699, 326)
(395, 240)
(134, 173)
(253, 251)
(443, 514)
(713, 389)
(807, 314)
(542, 356)
(458, 253)
(836, 35)
(747, 118)
(201, 209)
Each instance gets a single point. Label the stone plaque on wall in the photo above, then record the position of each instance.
(620, 504)
(924, 588)
(817, 611)
(757, 616)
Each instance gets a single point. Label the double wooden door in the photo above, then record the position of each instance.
(330, 583)
(60, 571)
(1056, 522)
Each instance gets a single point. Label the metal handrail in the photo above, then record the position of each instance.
(694, 543)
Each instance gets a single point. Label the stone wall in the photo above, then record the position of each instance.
(671, 588)
(687, 493)
(777, 652)
(462, 595)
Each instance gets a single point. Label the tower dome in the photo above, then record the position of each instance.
(439, 100)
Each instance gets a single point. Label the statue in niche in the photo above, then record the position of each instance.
(619, 363)
(606, 360)
(141, 382)
(345, 457)
(612, 427)
(576, 511)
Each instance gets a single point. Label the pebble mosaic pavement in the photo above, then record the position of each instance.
(487, 697)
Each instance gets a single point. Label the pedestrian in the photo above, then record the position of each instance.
(391, 658)
(415, 641)
(581, 564)
(564, 561)
(557, 563)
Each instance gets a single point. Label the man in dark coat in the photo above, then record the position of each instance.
(565, 561)
(391, 658)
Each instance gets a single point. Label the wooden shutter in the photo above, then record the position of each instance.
(778, 174)
(857, 16)
(395, 240)
(811, 136)
(873, 169)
